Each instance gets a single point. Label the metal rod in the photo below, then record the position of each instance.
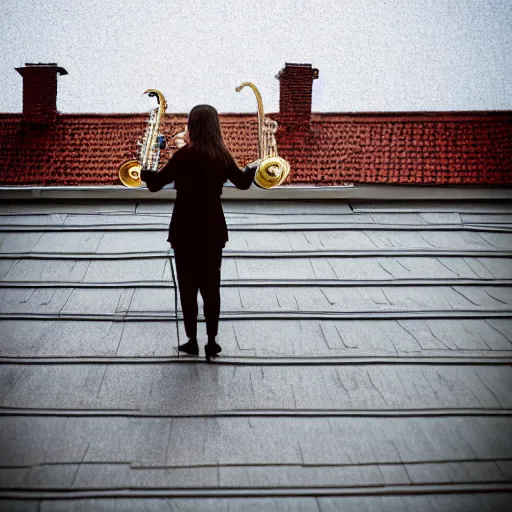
(175, 304)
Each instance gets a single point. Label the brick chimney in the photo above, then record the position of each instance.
(296, 87)
(40, 92)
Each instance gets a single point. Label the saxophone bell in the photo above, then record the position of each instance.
(271, 172)
(129, 174)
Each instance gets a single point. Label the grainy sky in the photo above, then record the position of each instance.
(373, 55)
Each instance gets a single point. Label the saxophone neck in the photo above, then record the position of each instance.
(261, 115)
(160, 110)
(155, 93)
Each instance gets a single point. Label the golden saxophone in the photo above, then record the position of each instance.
(152, 143)
(272, 169)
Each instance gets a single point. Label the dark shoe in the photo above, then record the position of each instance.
(191, 348)
(212, 349)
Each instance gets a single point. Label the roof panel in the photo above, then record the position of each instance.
(358, 357)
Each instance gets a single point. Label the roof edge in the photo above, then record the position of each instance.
(412, 115)
(371, 192)
(314, 115)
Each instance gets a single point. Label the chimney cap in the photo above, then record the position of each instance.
(42, 65)
(289, 65)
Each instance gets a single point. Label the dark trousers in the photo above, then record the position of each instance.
(199, 270)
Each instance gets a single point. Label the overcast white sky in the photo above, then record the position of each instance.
(373, 55)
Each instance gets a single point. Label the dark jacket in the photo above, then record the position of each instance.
(198, 218)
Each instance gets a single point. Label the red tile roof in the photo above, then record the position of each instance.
(411, 148)
(430, 148)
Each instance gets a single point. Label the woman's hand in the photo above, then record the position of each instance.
(180, 139)
(254, 165)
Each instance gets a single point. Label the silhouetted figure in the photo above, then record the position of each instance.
(198, 230)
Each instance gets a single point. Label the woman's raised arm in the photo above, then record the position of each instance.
(155, 181)
(242, 179)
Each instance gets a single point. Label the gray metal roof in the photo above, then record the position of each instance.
(365, 364)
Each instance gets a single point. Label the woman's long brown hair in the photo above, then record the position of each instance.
(205, 133)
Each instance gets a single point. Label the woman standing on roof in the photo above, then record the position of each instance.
(198, 230)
